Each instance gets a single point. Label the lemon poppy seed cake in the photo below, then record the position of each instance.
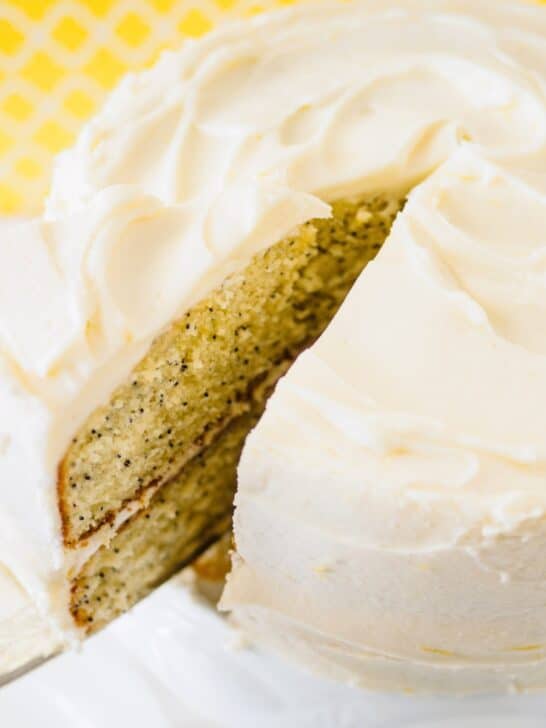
(178, 425)
(202, 232)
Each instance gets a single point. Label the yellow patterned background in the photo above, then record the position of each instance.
(58, 60)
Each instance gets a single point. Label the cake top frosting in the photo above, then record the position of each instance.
(217, 152)
(329, 100)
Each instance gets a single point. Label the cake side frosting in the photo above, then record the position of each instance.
(195, 165)
(390, 513)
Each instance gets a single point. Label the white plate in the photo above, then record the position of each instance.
(174, 662)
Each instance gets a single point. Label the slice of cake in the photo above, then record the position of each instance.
(118, 485)
(390, 513)
(202, 233)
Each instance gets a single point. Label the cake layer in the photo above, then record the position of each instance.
(390, 509)
(182, 519)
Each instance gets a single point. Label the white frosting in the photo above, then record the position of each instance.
(191, 670)
(390, 518)
(328, 100)
(194, 166)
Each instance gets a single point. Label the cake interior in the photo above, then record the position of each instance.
(170, 438)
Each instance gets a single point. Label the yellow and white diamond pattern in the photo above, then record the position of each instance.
(58, 60)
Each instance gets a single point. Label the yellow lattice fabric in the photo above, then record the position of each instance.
(58, 60)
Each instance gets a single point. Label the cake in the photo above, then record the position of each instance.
(390, 514)
(201, 234)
